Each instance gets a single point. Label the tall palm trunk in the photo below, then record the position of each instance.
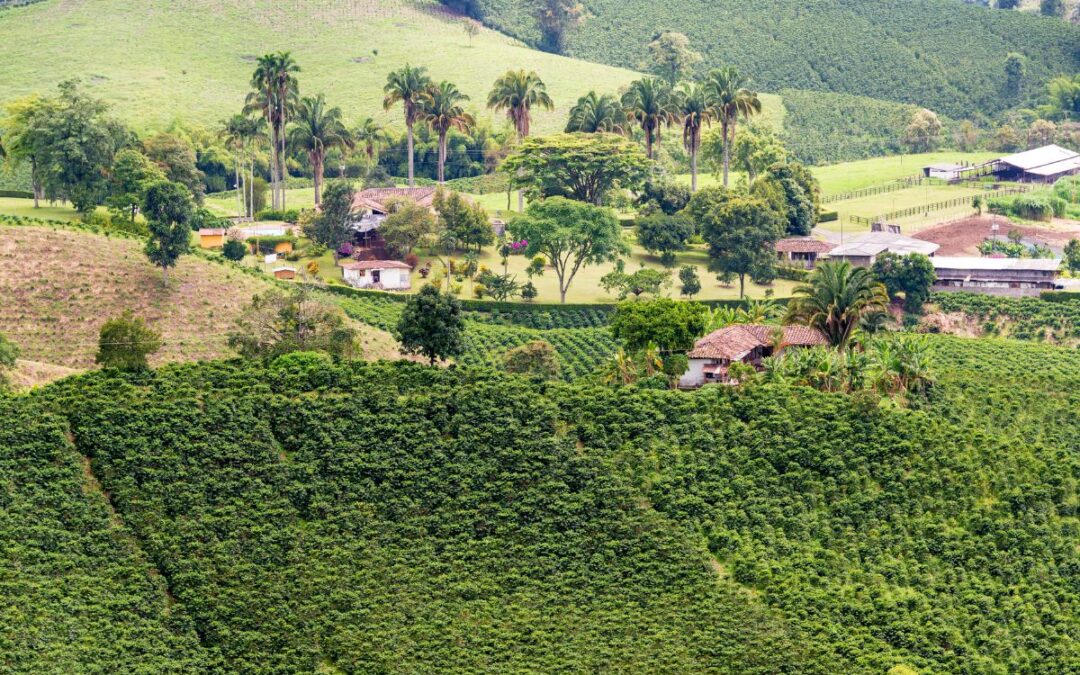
(273, 167)
(409, 133)
(35, 184)
(523, 131)
(693, 168)
(236, 180)
(317, 168)
(727, 148)
(648, 142)
(282, 174)
(442, 157)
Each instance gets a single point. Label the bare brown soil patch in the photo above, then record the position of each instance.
(60, 286)
(962, 237)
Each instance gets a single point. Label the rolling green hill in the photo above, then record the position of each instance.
(943, 54)
(191, 60)
(161, 60)
(312, 517)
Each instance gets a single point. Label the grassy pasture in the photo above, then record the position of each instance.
(192, 59)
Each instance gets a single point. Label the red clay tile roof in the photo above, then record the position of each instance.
(374, 199)
(733, 342)
(375, 265)
(803, 245)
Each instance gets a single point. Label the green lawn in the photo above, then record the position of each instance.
(586, 286)
(162, 60)
(848, 176)
(25, 208)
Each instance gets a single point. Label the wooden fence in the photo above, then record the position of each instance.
(899, 184)
(937, 206)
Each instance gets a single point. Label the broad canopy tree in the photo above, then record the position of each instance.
(332, 226)
(668, 324)
(431, 325)
(741, 232)
(584, 167)
(168, 211)
(570, 234)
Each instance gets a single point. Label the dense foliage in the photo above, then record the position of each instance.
(303, 516)
(386, 518)
(940, 54)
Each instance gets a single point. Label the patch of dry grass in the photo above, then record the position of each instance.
(60, 286)
(29, 374)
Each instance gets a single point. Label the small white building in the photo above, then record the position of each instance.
(384, 275)
(245, 232)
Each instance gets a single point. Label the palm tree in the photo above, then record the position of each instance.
(693, 109)
(231, 133)
(442, 111)
(836, 299)
(318, 129)
(276, 90)
(730, 98)
(369, 136)
(648, 102)
(593, 114)
(409, 86)
(517, 92)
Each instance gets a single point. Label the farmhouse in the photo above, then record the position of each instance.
(996, 276)
(713, 354)
(1041, 165)
(371, 207)
(863, 250)
(211, 237)
(801, 251)
(387, 275)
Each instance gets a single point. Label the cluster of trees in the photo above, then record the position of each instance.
(821, 47)
(650, 104)
(77, 152)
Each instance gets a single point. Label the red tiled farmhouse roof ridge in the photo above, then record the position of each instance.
(733, 342)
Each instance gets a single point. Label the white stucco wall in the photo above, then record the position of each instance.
(695, 374)
(391, 279)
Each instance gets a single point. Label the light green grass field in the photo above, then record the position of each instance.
(25, 208)
(586, 286)
(880, 204)
(160, 60)
(849, 176)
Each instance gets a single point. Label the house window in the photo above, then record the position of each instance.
(375, 276)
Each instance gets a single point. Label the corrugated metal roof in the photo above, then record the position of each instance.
(375, 265)
(1039, 157)
(1054, 169)
(996, 264)
(873, 243)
